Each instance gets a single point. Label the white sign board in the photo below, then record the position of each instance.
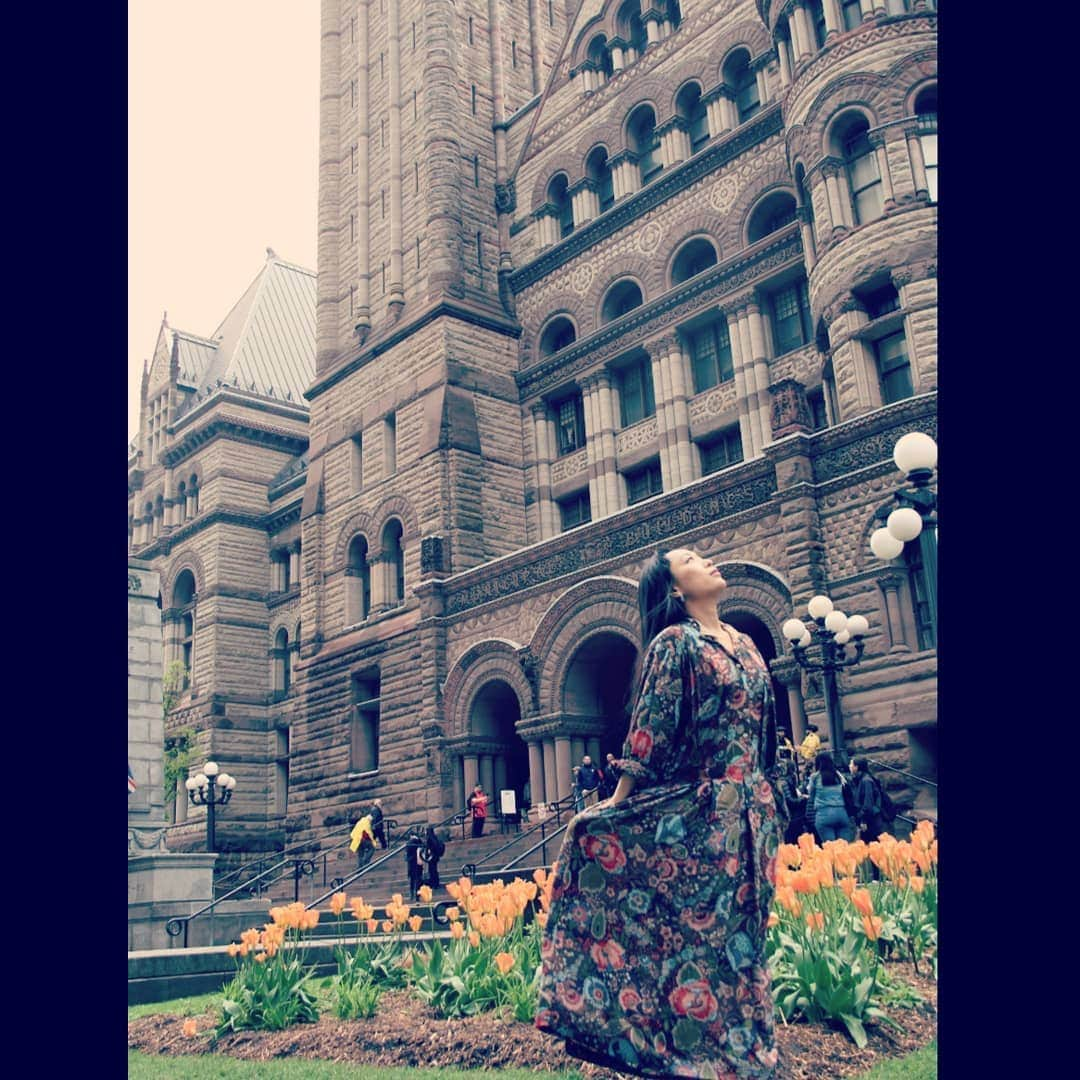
(508, 801)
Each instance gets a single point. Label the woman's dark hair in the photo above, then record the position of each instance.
(862, 764)
(825, 765)
(658, 607)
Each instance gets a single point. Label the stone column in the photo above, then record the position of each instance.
(577, 750)
(146, 725)
(803, 34)
(471, 771)
(592, 748)
(742, 400)
(609, 476)
(499, 777)
(396, 291)
(584, 201)
(459, 784)
(762, 83)
(536, 772)
(888, 201)
(761, 369)
(487, 775)
(618, 57)
(790, 410)
(837, 200)
(806, 233)
(625, 175)
(660, 394)
(867, 8)
(788, 673)
(551, 787)
(715, 112)
(588, 404)
(362, 311)
(294, 563)
(674, 141)
(653, 17)
(562, 765)
(918, 163)
(890, 586)
(544, 503)
(783, 57)
(674, 366)
(832, 19)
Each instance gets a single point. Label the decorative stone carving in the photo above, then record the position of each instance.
(435, 555)
(649, 238)
(724, 193)
(790, 411)
(581, 278)
(506, 197)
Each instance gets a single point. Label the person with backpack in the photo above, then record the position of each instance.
(413, 863)
(477, 804)
(431, 854)
(869, 798)
(830, 806)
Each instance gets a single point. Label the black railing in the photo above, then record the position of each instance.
(541, 826)
(541, 847)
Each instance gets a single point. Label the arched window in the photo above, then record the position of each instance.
(632, 29)
(785, 49)
(622, 297)
(887, 340)
(674, 13)
(743, 84)
(851, 13)
(694, 258)
(600, 56)
(559, 198)
(357, 582)
(557, 335)
(920, 593)
(394, 556)
(599, 171)
(897, 7)
(816, 10)
(690, 107)
(193, 495)
(926, 111)
(850, 141)
(282, 664)
(181, 502)
(641, 135)
(773, 213)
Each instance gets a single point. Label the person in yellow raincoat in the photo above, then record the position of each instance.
(362, 841)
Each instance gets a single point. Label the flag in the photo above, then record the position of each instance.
(131, 780)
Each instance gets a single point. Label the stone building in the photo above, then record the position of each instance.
(594, 278)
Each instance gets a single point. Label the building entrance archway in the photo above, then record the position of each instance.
(493, 718)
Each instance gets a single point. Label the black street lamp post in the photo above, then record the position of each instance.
(915, 515)
(210, 788)
(832, 630)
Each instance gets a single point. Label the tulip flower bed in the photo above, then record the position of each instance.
(834, 936)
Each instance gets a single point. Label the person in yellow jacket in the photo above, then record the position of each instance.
(810, 745)
(362, 841)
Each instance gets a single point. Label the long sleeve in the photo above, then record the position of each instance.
(656, 721)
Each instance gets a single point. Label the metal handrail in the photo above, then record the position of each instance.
(542, 846)
(390, 853)
(556, 808)
(893, 768)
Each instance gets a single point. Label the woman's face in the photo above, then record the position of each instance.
(853, 768)
(695, 577)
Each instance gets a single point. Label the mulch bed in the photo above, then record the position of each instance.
(405, 1032)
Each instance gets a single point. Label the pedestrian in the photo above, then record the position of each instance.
(866, 790)
(362, 841)
(588, 780)
(575, 790)
(827, 807)
(478, 802)
(808, 748)
(609, 778)
(431, 853)
(378, 828)
(413, 862)
(653, 956)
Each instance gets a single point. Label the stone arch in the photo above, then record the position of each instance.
(640, 268)
(652, 93)
(359, 523)
(479, 664)
(735, 220)
(601, 603)
(750, 34)
(565, 161)
(760, 591)
(687, 72)
(607, 134)
(601, 23)
(700, 227)
(907, 83)
(783, 185)
(184, 560)
(400, 507)
(861, 91)
(561, 303)
(286, 623)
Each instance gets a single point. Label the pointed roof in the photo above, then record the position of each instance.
(265, 344)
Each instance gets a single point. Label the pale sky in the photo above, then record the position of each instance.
(223, 137)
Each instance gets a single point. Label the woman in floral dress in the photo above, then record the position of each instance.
(654, 950)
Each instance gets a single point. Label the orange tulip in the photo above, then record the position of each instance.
(250, 937)
(387, 926)
(918, 884)
(540, 876)
(504, 961)
(453, 913)
(863, 902)
(260, 958)
(454, 889)
(338, 902)
(871, 926)
(415, 922)
(233, 949)
(474, 938)
(425, 893)
(189, 1028)
(396, 898)
(542, 919)
(815, 920)
(457, 930)
(773, 920)
(372, 925)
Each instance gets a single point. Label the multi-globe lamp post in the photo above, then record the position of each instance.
(915, 518)
(832, 631)
(210, 788)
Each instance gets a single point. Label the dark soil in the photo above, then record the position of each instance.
(405, 1032)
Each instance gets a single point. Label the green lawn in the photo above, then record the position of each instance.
(213, 1067)
(922, 1065)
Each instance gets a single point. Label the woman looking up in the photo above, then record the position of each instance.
(654, 950)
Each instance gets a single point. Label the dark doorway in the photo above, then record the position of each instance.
(596, 685)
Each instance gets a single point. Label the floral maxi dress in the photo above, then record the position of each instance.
(654, 951)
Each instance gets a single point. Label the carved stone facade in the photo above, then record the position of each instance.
(475, 496)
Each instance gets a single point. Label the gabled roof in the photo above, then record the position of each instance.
(266, 343)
